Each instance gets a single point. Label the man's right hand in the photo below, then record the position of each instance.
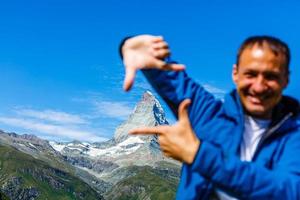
(145, 52)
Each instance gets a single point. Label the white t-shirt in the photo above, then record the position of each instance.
(254, 130)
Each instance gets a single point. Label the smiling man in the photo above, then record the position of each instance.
(246, 147)
(261, 74)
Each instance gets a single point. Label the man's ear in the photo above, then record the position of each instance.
(234, 73)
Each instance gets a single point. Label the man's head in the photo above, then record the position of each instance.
(261, 73)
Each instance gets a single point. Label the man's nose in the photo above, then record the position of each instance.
(260, 85)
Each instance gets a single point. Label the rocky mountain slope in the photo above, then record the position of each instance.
(25, 177)
(125, 167)
(123, 149)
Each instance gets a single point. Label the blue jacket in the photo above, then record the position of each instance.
(274, 172)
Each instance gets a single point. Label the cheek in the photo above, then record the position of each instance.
(244, 84)
(275, 87)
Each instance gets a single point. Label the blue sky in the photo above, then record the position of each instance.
(61, 75)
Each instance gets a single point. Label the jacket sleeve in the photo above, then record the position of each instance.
(174, 87)
(247, 180)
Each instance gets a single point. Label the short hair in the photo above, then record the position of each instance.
(276, 45)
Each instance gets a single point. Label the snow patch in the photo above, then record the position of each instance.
(122, 148)
(20, 144)
(75, 148)
(57, 147)
(131, 140)
(32, 145)
(119, 149)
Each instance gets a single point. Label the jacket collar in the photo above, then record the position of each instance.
(284, 107)
(233, 106)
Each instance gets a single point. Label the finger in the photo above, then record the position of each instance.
(160, 64)
(161, 53)
(155, 62)
(183, 110)
(174, 67)
(157, 39)
(160, 141)
(163, 141)
(171, 155)
(178, 158)
(159, 130)
(160, 45)
(166, 153)
(129, 78)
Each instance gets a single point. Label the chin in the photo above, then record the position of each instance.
(258, 112)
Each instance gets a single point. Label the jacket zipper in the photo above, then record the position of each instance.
(269, 133)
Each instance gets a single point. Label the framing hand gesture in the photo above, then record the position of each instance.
(177, 141)
(142, 52)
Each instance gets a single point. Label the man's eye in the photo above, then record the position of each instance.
(250, 74)
(272, 77)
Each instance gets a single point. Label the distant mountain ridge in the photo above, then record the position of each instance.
(113, 168)
(23, 176)
(148, 112)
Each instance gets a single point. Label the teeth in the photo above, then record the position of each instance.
(255, 99)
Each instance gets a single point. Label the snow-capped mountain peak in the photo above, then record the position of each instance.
(148, 112)
(124, 148)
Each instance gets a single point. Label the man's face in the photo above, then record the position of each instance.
(260, 79)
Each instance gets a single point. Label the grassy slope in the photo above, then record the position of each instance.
(3, 196)
(145, 184)
(16, 163)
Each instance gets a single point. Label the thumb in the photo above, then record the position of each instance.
(129, 78)
(174, 67)
(183, 110)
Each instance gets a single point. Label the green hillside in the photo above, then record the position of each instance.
(24, 176)
(3, 196)
(146, 183)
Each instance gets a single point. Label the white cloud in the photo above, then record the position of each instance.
(54, 116)
(213, 89)
(142, 85)
(59, 131)
(219, 93)
(119, 110)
